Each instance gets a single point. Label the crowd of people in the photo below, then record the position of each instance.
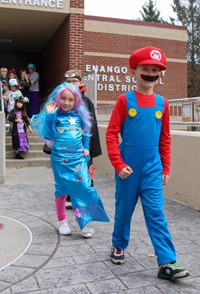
(24, 85)
(20, 94)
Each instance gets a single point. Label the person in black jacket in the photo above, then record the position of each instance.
(19, 118)
(75, 77)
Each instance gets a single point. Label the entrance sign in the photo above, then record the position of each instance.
(48, 5)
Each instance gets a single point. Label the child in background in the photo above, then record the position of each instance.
(24, 86)
(74, 77)
(12, 95)
(12, 74)
(65, 121)
(19, 118)
(3, 75)
(5, 95)
(24, 83)
(142, 161)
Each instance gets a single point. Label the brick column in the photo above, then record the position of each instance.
(65, 49)
(76, 34)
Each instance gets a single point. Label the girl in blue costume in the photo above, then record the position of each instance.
(65, 123)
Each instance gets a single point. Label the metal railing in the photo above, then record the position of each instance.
(185, 111)
(103, 113)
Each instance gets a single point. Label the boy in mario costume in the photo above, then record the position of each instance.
(142, 161)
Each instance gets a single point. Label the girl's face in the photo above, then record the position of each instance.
(19, 104)
(23, 74)
(67, 101)
(11, 75)
(3, 73)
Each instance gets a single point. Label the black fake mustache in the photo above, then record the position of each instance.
(150, 78)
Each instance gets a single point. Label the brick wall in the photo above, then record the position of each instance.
(83, 41)
(77, 3)
(77, 41)
(113, 49)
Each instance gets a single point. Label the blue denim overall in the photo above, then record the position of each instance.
(140, 150)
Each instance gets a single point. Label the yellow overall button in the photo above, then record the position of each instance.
(132, 112)
(158, 114)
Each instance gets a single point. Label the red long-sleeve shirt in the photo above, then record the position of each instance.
(119, 115)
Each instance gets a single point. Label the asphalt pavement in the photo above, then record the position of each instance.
(35, 259)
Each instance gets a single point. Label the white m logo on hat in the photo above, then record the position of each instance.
(155, 54)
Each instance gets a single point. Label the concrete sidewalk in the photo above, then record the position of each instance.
(35, 259)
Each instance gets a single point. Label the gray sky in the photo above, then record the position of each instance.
(126, 9)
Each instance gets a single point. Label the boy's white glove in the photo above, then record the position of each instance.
(26, 100)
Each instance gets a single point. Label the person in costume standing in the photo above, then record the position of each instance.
(65, 121)
(19, 118)
(142, 161)
(33, 77)
(12, 95)
(74, 77)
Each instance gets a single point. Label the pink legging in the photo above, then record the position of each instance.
(60, 208)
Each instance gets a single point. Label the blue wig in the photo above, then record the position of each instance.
(38, 120)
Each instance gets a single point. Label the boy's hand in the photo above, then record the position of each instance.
(125, 172)
(165, 179)
(86, 152)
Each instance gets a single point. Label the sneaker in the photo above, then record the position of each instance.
(68, 204)
(87, 232)
(117, 256)
(172, 271)
(63, 228)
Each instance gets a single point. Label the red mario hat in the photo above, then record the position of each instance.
(148, 55)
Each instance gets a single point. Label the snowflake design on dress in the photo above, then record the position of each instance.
(72, 121)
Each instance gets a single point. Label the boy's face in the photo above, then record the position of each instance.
(13, 88)
(67, 101)
(146, 75)
(76, 82)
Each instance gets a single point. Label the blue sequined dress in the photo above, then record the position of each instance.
(70, 166)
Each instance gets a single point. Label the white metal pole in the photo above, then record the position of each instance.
(2, 142)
